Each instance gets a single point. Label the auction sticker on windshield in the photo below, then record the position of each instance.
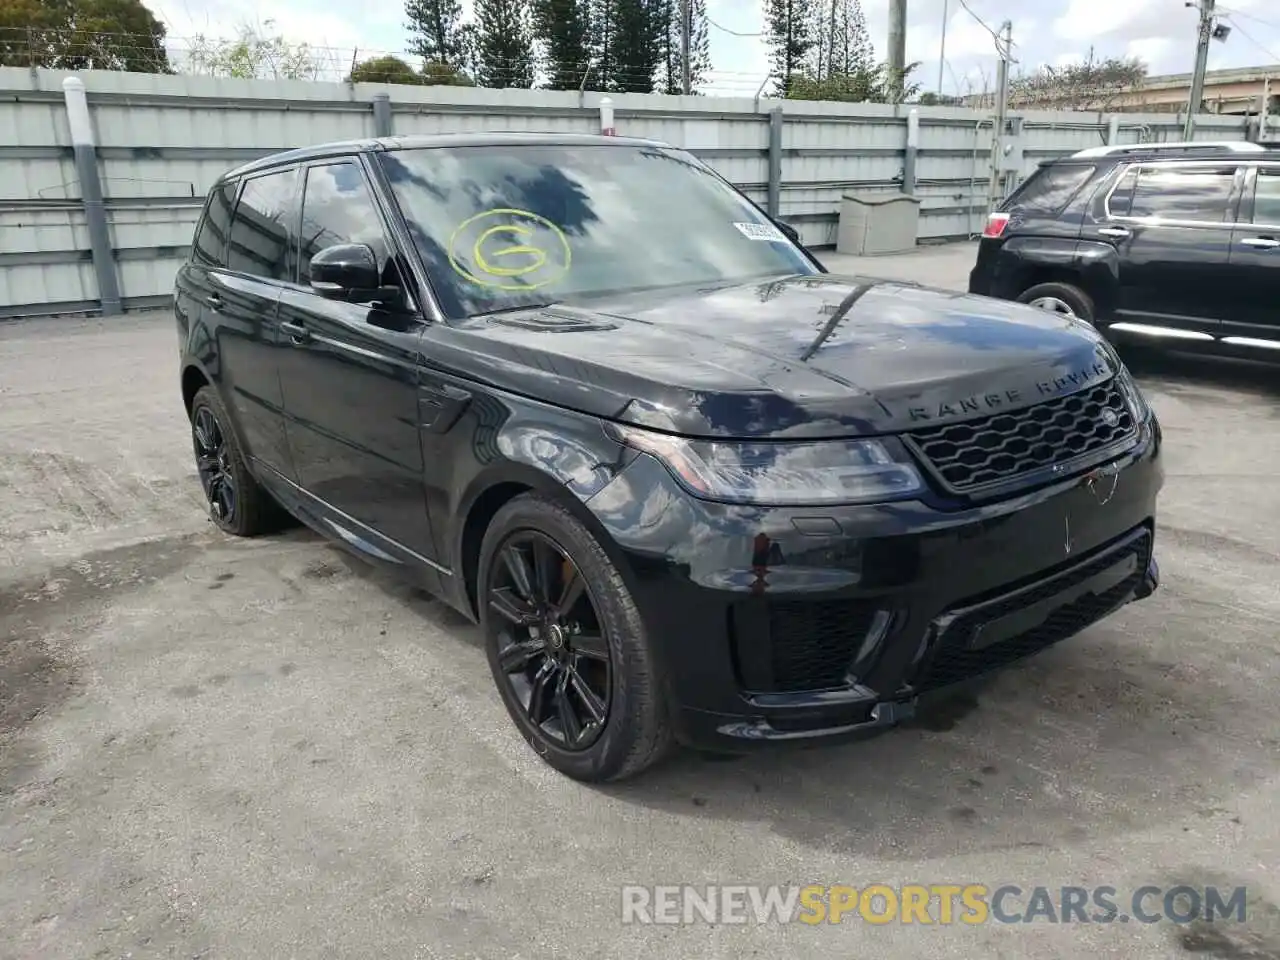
(509, 249)
(761, 231)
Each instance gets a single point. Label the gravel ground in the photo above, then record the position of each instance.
(263, 749)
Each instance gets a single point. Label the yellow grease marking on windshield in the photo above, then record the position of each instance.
(538, 256)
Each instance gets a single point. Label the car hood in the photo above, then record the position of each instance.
(798, 357)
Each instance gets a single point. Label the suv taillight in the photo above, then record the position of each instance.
(996, 224)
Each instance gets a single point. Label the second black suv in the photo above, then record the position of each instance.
(1175, 243)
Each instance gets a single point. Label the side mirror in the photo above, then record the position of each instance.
(346, 270)
(792, 233)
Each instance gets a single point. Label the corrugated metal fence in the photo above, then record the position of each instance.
(161, 140)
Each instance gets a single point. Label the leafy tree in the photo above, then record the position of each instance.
(254, 54)
(435, 29)
(82, 35)
(931, 99)
(601, 46)
(842, 44)
(790, 36)
(635, 44)
(504, 43)
(562, 29)
(1091, 85)
(386, 69)
(859, 86)
(670, 67)
(444, 75)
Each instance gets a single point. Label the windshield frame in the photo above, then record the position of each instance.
(404, 233)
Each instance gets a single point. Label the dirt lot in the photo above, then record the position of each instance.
(258, 749)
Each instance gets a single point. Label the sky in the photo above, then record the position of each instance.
(1161, 32)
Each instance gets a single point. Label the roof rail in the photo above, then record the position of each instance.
(1174, 146)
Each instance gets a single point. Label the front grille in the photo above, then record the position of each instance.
(990, 450)
(954, 661)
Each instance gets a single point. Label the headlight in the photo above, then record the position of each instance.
(1133, 397)
(827, 471)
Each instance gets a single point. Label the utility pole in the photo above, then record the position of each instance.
(942, 47)
(897, 48)
(1004, 47)
(686, 28)
(1203, 34)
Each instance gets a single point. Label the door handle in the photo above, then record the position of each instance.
(297, 332)
(1113, 231)
(214, 302)
(1262, 243)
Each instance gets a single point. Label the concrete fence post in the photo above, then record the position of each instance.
(773, 195)
(95, 212)
(1113, 130)
(606, 117)
(382, 115)
(913, 151)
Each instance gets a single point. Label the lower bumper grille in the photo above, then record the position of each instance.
(956, 659)
(792, 646)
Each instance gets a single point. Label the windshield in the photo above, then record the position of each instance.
(499, 227)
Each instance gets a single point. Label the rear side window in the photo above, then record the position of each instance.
(210, 244)
(1201, 194)
(1266, 197)
(1048, 191)
(260, 241)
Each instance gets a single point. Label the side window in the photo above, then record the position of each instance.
(1266, 196)
(338, 208)
(1047, 192)
(210, 244)
(1121, 200)
(1179, 192)
(260, 241)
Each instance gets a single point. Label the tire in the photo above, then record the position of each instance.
(237, 504)
(563, 655)
(1072, 297)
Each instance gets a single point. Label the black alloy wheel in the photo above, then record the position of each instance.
(214, 465)
(236, 503)
(567, 646)
(551, 645)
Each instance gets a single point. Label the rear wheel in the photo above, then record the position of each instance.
(237, 504)
(1063, 299)
(566, 645)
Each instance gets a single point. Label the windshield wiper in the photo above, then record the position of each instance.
(516, 308)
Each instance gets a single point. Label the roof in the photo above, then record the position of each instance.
(1171, 150)
(384, 144)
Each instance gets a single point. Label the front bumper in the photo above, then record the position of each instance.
(783, 625)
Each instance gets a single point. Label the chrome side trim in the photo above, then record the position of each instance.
(1153, 331)
(1252, 342)
(349, 535)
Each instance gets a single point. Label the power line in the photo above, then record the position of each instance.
(1228, 12)
(982, 23)
(1248, 36)
(734, 33)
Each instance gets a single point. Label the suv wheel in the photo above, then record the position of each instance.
(566, 645)
(1060, 298)
(236, 503)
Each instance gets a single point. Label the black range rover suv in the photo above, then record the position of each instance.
(693, 488)
(1165, 244)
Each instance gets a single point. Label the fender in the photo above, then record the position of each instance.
(1091, 264)
(567, 457)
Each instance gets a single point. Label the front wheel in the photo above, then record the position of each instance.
(1063, 299)
(566, 645)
